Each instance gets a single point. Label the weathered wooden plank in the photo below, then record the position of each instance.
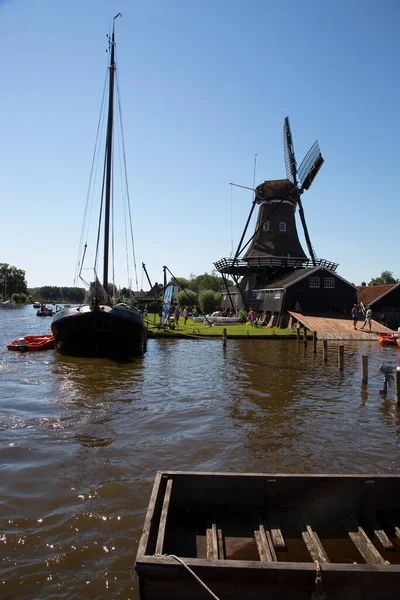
(379, 533)
(362, 542)
(262, 548)
(313, 543)
(275, 530)
(149, 516)
(266, 535)
(370, 516)
(221, 543)
(394, 522)
(263, 539)
(212, 541)
(163, 518)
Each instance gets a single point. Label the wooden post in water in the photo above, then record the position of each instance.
(341, 358)
(325, 349)
(315, 338)
(305, 336)
(397, 386)
(364, 368)
(298, 334)
(224, 337)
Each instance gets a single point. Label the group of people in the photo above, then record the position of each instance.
(176, 313)
(355, 312)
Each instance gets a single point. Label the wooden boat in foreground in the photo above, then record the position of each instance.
(32, 343)
(261, 536)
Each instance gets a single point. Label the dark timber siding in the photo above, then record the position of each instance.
(390, 306)
(321, 299)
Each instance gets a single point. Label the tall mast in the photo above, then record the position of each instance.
(109, 144)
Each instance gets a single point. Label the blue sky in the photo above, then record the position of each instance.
(205, 86)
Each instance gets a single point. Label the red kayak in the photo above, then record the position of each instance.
(32, 343)
(387, 338)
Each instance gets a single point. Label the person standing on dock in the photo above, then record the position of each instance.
(368, 319)
(354, 315)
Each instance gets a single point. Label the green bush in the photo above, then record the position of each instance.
(155, 306)
(16, 298)
(242, 315)
(209, 301)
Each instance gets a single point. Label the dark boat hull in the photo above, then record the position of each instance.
(101, 332)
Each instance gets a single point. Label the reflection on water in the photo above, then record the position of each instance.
(81, 440)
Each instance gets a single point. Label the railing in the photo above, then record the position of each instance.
(237, 265)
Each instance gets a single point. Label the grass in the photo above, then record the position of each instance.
(192, 329)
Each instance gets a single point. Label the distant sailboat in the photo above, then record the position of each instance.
(99, 327)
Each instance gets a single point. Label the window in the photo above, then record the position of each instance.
(282, 226)
(266, 226)
(277, 295)
(329, 282)
(315, 282)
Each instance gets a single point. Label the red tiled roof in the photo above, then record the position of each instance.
(370, 293)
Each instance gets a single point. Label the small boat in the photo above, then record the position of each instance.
(45, 312)
(36, 305)
(32, 343)
(272, 536)
(8, 304)
(100, 327)
(388, 339)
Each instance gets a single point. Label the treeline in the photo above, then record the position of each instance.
(52, 293)
(12, 281)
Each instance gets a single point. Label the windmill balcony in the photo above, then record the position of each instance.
(240, 266)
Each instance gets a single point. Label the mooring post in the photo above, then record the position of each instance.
(298, 333)
(341, 358)
(325, 349)
(305, 336)
(224, 337)
(364, 368)
(315, 338)
(397, 386)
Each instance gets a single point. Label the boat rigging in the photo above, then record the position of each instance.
(101, 327)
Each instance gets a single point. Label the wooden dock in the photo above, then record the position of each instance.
(336, 328)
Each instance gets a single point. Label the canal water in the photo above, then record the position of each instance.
(82, 439)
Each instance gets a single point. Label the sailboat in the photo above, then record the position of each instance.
(99, 327)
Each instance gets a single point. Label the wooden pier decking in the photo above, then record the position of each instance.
(337, 328)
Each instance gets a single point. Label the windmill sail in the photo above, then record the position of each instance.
(288, 149)
(310, 165)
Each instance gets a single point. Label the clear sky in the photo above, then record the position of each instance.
(205, 85)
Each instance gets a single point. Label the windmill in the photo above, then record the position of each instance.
(275, 238)
(274, 249)
(303, 176)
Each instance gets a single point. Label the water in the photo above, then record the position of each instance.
(82, 439)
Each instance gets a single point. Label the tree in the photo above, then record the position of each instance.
(187, 298)
(112, 290)
(12, 280)
(208, 282)
(385, 278)
(209, 300)
(185, 283)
